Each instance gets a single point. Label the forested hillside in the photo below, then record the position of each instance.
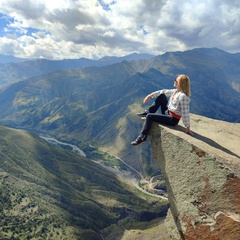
(52, 193)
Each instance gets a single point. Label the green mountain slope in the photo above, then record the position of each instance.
(52, 193)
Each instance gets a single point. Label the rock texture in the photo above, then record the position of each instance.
(202, 175)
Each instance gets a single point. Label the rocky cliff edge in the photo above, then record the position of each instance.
(202, 175)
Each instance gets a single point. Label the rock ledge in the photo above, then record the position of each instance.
(202, 175)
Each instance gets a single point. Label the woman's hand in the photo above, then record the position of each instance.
(147, 98)
(188, 131)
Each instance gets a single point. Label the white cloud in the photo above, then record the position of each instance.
(88, 28)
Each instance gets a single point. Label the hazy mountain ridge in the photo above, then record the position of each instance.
(17, 69)
(11, 59)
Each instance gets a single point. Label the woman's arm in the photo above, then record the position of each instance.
(147, 98)
(167, 92)
(184, 101)
(188, 131)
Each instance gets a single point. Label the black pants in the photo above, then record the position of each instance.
(152, 116)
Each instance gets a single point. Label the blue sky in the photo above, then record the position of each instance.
(95, 28)
(7, 29)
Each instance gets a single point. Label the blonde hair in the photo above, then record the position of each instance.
(184, 84)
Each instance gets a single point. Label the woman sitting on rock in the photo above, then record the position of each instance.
(173, 110)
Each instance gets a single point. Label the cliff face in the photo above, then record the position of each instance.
(202, 175)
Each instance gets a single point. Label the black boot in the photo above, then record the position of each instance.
(143, 114)
(140, 139)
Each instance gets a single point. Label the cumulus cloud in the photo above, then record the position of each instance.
(95, 28)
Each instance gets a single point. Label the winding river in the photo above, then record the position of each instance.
(56, 142)
(127, 175)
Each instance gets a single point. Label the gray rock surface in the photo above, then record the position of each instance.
(202, 174)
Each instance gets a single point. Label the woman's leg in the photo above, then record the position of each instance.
(160, 118)
(150, 118)
(160, 101)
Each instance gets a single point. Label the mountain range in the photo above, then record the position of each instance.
(94, 103)
(99, 104)
(14, 69)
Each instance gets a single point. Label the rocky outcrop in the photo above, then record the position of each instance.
(202, 175)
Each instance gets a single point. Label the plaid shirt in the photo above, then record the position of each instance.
(179, 104)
